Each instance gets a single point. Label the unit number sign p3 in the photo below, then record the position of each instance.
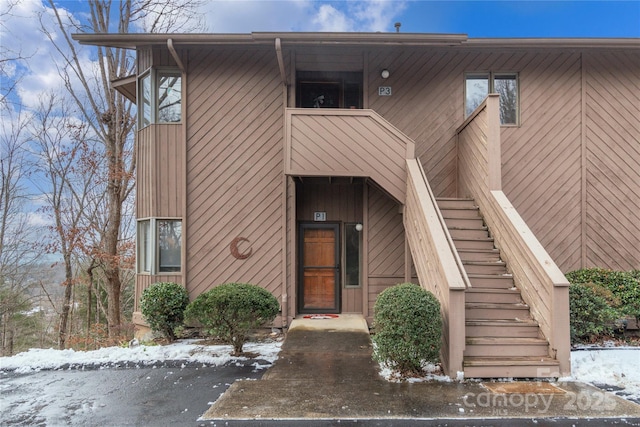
(384, 90)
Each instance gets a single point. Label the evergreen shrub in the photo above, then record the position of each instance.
(232, 310)
(622, 284)
(163, 305)
(408, 328)
(591, 313)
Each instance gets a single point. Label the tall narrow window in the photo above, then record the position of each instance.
(145, 248)
(169, 245)
(352, 254)
(479, 85)
(144, 107)
(169, 97)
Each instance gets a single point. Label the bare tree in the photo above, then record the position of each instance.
(108, 113)
(16, 250)
(63, 150)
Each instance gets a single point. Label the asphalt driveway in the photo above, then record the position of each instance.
(150, 396)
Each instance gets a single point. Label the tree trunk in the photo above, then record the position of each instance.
(66, 303)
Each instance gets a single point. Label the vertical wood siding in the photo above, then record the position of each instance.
(234, 152)
(385, 245)
(612, 138)
(160, 172)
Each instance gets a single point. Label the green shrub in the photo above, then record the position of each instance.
(590, 312)
(623, 285)
(232, 310)
(408, 328)
(163, 305)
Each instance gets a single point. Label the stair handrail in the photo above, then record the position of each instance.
(435, 264)
(443, 224)
(542, 284)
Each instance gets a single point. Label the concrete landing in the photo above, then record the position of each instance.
(325, 371)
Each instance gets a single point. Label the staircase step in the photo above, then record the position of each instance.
(511, 367)
(506, 347)
(502, 328)
(469, 233)
(460, 213)
(501, 281)
(494, 311)
(472, 223)
(445, 203)
(493, 295)
(462, 243)
(486, 268)
(485, 255)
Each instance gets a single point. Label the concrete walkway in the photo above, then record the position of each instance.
(325, 371)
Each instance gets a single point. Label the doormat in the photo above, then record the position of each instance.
(321, 316)
(523, 387)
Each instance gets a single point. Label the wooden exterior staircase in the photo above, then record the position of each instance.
(501, 338)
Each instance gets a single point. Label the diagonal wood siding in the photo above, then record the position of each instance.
(347, 143)
(234, 152)
(612, 140)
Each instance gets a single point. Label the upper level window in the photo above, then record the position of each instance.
(328, 89)
(479, 85)
(160, 97)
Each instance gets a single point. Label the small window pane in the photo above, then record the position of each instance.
(506, 85)
(144, 247)
(353, 238)
(144, 107)
(169, 97)
(169, 245)
(476, 90)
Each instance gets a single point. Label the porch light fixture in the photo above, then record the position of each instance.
(358, 227)
(384, 74)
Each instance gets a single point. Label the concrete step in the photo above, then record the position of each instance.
(493, 295)
(511, 367)
(502, 328)
(506, 347)
(495, 311)
(501, 281)
(447, 203)
(472, 223)
(469, 233)
(484, 255)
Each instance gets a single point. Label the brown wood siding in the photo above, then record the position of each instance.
(541, 158)
(386, 244)
(612, 138)
(160, 172)
(570, 164)
(347, 143)
(234, 179)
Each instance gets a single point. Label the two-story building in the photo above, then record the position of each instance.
(326, 167)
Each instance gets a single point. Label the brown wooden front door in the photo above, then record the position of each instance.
(319, 283)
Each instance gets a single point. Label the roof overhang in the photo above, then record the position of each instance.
(134, 40)
(126, 86)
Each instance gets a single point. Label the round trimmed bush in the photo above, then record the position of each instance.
(591, 314)
(232, 310)
(163, 305)
(408, 328)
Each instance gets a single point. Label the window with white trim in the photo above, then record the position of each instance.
(160, 97)
(159, 246)
(479, 85)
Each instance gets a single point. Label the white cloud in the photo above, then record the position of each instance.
(245, 16)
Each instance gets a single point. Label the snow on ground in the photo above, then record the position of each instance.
(187, 351)
(617, 367)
